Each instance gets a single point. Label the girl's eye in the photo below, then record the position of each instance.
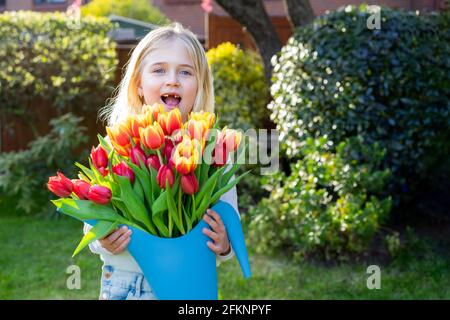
(158, 70)
(186, 73)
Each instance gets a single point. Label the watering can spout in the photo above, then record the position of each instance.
(235, 233)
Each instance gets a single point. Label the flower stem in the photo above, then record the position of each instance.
(158, 152)
(179, 206)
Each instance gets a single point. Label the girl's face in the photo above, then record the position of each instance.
(168, 77)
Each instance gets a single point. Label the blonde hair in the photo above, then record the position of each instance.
(127, 100)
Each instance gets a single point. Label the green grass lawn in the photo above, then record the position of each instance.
(36, 252)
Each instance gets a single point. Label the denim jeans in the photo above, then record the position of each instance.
(124, 285)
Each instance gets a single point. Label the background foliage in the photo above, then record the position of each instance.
(241, 96)
(136, 9)
(24, 174)
(327, 206)
(391, 86)
(53, 59)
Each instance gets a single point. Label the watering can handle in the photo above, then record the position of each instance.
(235, 233)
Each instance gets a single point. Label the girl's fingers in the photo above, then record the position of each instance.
(211, 234)
(115, 235)
(213, 224)
(213, 247)
(122, 238)
(122, 246)
(215, 215)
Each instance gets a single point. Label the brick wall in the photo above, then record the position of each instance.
(188, 12)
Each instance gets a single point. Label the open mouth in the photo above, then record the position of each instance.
(171, 100)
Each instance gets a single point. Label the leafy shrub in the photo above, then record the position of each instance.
(335, 77)
(327, 206)
(54, 59)
(241, 96)
(135, 9)
(241, 93)
(24, 174)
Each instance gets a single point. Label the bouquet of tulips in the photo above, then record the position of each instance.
(153, 172)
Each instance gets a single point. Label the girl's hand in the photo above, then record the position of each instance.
(117, 241)
(218, 233)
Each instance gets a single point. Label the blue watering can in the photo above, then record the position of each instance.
(184, 268)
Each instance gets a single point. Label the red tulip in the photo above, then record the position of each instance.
(153, 161)
(189, 183)
(136, 154)
(99, 157)
(168, 148)
(81, 188)
(60, 185)
(122, 169)
(219, 155)
(103, 171)
(165, 174)
(99, 194)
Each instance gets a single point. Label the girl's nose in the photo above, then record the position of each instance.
(172, 79)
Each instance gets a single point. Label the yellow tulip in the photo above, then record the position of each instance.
(186, 155)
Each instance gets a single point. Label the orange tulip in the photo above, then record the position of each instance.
(135, 122)
(153, 110)
(152, 137)
(186, 155)
(171, 121)
(197, 129)
(120, 138)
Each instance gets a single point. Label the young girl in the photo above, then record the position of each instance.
(168, 66)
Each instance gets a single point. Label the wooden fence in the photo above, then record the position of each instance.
(15, 133)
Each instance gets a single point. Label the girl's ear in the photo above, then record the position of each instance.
(140, 92)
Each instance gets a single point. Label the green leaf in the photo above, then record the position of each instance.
(224, 189)
(137, 188)
(104, 144)
(135, 206)
(144, 179)
(158, 209)
(227, 176)
(188, 220)
(101, 229)
(88, 172)
(208, 185)
(173, 212)
(207, 197)
(156, 190)
(87, 210)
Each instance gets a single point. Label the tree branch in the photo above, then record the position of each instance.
(299, 12)
(253, 16)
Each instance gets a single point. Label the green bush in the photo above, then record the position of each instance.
(241, 93)
(336, 77)
(53, 59)
(241, 96)
(327, 206)
(136, 9)
(24, 174)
